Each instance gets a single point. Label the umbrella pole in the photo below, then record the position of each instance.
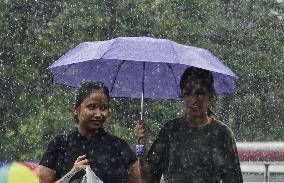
(142, 101)
(142, 93)
(140, 147)
(141, 115)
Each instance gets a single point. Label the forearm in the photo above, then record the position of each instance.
(145, 171)
(141, 152)
(66, 177)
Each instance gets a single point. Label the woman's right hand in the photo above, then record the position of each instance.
(140, 131)
(80, 164)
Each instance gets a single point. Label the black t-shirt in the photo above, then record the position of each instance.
(109, 157)
(195, 154)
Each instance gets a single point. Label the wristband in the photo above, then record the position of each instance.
(140, 150)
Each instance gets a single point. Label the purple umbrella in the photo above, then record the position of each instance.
(139, 67)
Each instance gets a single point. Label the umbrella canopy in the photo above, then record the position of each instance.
(16, 172)
(130, 66)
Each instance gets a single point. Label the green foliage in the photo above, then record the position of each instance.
(247, 35)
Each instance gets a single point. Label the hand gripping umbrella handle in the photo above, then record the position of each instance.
(140, 148)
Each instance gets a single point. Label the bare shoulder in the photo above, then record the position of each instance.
(46, 175)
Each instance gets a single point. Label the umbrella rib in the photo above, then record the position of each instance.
(176, 55)
(115, 76)
(110, 48)
(63, 71)
(170, 67)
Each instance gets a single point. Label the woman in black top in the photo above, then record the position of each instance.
(110, 157)
(195, 148)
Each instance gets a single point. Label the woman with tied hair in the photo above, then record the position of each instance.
(195, 148)
(67, 156)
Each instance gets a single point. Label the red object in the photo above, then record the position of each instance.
(31, 165)
(261, 151)
(261, 155)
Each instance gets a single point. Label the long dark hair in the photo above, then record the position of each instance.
(205, 77)
(85, 89)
